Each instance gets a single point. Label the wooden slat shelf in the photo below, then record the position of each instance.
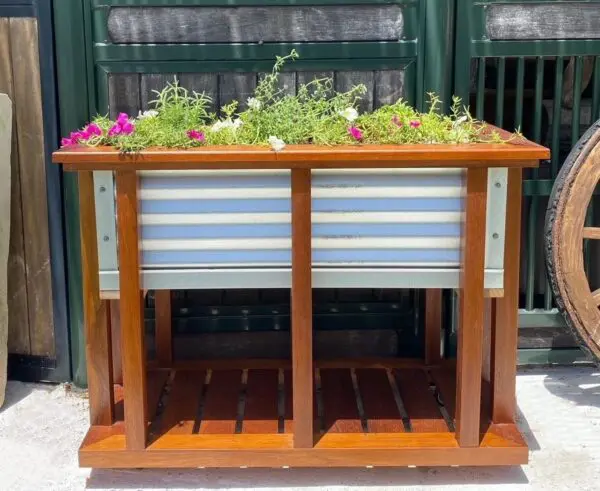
(244, 417)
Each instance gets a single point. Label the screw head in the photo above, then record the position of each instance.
(495, 235)
(106, 238)
(498, 185)
(102, 189)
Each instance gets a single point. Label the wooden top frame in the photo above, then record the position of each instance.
(513, 154)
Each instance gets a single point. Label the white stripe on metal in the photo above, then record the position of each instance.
(267, 172)
(317, 192)
(317, 217)
(247, 244)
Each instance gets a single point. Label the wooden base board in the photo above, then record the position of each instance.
(104, 447)
(378, 416)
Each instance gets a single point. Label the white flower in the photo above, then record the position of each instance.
(276, 143)
(150, 113)
(349, 113)
(254, 103)
(219, 125)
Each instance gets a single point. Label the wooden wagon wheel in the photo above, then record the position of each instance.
(564, 240)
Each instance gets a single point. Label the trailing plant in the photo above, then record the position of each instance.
(314, 114)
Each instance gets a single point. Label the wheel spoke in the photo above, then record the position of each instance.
(591, 232)
(596, 296)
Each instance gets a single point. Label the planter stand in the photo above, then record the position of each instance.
(157, 418)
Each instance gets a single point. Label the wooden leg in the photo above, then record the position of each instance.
(433, 326)
(505, 322)
(163, 320)
(132, 333)
(115, 330)
(470, 328)
(302, 364)
(95, 311)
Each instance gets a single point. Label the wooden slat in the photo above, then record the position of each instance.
(260, 415)
(163, 326)
(381, 410)
(18, 317)
(501, 445)
(591, 233)
(96, 312)
(181, 410)
(420, 404)
(132, 332)
(340, 410)
(302, 336)
(433, 326)
(596, 296)
(471, 320)
(219, 412)
(305, 157)
(505, 323)
(30, 137)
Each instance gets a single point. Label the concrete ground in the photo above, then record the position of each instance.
(41, 427)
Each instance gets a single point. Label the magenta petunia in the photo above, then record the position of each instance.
(77, 136)
(127, 128)
(415, 124)
(397, 122)
(196, 135)
(122, 119)
(115, 130)
(355, 133)
(66, 142)
(93, 130)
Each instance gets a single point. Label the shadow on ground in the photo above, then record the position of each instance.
(17, 391)
(292, 478)
(578, 385)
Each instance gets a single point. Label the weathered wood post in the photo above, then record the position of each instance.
(5, 144)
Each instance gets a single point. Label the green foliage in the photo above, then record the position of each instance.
(316, 114)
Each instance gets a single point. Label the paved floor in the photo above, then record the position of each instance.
(41, 427)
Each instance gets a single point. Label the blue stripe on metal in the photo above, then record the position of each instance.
(284, 205)
(283, 181)
(175, 232)
(160, 258)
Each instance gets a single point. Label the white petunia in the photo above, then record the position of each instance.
(254, 103)
(150, 113)
(349, 113)
(218, 126)
(459, 121)
(277, 144)
(236, 123)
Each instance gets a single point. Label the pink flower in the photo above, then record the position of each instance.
(397, 122)
(93, 130)
(415, 124)
(77, 136)
(115, 130)
(355, 133)
(196, 135)
(127, 128)
(66, 142)
(122, 119)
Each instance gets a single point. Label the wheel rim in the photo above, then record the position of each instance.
(569, 206)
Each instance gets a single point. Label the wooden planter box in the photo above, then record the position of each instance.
(423, 216)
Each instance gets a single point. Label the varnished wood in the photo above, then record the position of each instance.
(132, 332)
(433, 325)
(27, 104)
(501, 445)
(96, 312)
(163, 323)
(115, 336)
(505, 320)
(470, 329)
(302, 342)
